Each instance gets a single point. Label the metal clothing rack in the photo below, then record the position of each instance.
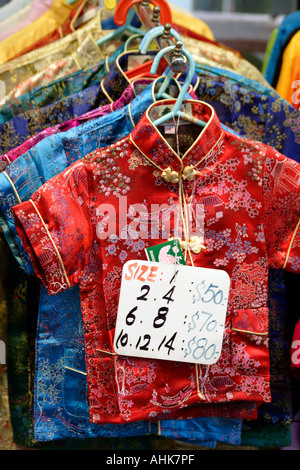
(151, 19)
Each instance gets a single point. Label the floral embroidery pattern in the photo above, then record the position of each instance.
(246, 184)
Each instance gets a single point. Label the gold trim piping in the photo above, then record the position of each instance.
(291, 243)
(107, 64)
(158, 428)
(147, 158)
(130, 115)
(196, 84)
(75, 370)
(105, 92)
(13, 186)
(197, 378)
(107, 352)
(132, 52)
(132, 88)
(249, 332)
(78, 65)
(54, 245)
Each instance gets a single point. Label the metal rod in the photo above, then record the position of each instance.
(150, 19)
(156, 15)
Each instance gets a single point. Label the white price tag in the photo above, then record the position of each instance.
(171, 312)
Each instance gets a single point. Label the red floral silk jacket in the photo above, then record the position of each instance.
(83, 225)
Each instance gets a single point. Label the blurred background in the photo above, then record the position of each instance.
(245, 25)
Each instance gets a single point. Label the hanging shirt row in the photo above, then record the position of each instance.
(150, 234)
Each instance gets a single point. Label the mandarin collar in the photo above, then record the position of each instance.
(149, 141)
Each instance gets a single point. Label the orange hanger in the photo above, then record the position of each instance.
(124, 6)
(143, 70)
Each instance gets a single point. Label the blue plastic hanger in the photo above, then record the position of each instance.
(154, 33)
(119, 31)
(178, 103)
(144, 46)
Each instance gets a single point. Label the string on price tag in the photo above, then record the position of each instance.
(171, 312)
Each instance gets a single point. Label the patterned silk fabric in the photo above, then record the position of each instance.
(61, 399)
(252, 110)
(237, 105)
(15, 131)
(86, 55)
(113, 83)
(263, 116)
(55, 364)
(82, 57)
(132, 90)
(54, 91)
(20, 352)
(125, 98)
(49, 27)
(20, 128)
(215, 55)
(229, 94)
(61, 366)
(251, 182)
(26, 66)
(248, 107)
(209, 54)
(55, 153)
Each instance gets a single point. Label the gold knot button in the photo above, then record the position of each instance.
(189, 173)
(195, 244)
(170, 175)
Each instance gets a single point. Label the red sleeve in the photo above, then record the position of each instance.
(282, 211)
(55, 228)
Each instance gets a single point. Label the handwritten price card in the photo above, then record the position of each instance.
(171, 312)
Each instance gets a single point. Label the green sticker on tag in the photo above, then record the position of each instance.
(169, 252)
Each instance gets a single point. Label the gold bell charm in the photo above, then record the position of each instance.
(189, 173)
(170, 175)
